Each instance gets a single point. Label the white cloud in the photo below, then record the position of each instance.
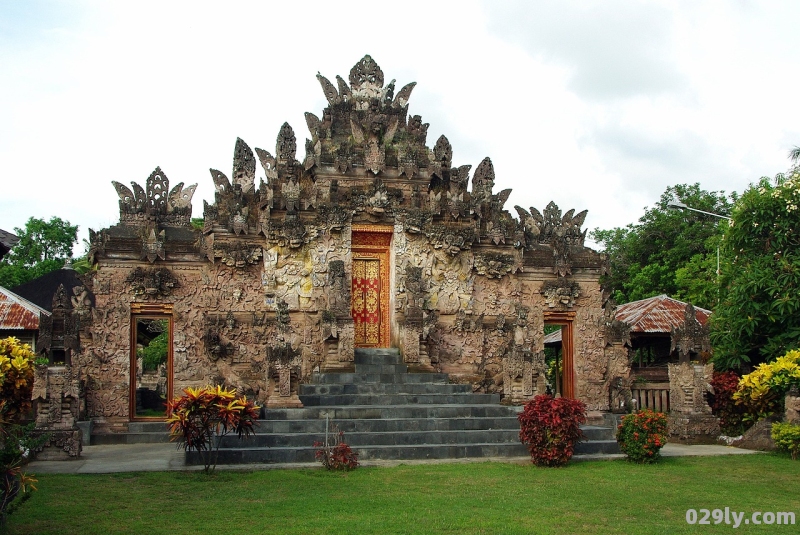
(599, 106)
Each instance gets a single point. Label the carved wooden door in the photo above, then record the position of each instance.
(366, 305)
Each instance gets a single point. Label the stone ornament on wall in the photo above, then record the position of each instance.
(690, 338)
(152, 283)
(561, 293)
(154, 203)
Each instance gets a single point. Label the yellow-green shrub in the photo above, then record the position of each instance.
(762, 392)
(16, 376)
(787, 438)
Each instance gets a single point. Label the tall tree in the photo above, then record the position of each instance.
(43, 246)
(758, 317)
(668, 251)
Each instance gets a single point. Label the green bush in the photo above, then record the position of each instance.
(641, 435)
(787, 438)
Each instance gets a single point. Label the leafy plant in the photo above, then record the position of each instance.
(724, 406)
(155, 353)
(668, 251)
(642, 434)
(550, 427)
(338, 455)
(758, 317)
(202, 416)
(762, 392)
(787, 438)
(17, 363)
(43, 246)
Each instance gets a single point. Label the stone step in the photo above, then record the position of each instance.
(596, 446)
(106, 439)
(377, 358)
(371, 378)
(383, 400)
(381, 369)
(147, 427)
(383, 388)
(387, 425)
(358, 440)
(594, 432)
(409, 452)
(417, 411)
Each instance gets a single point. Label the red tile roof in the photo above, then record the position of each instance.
(18, 313)
(657, 314)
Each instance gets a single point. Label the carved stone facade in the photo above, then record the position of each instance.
(370, 239)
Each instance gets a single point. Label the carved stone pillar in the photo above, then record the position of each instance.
(690, 418)
(56, 392)
(283, 376)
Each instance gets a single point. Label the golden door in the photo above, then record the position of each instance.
(366, 309)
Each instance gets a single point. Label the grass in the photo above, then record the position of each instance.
(482, 498)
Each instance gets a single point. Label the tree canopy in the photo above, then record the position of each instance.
(668, 251)
(43, 246)
(758, 317)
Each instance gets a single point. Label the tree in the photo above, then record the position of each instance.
(669, 251)
(758, 317)
(43, 246)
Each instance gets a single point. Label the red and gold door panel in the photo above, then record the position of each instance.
(370, 287)
(366, 301)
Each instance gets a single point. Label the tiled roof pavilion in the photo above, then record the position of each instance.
(659, 314)
(17, 313)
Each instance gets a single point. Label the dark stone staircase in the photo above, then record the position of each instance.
(387, 413)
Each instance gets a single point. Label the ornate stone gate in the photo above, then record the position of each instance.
(370, 238)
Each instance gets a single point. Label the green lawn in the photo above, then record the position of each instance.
(586, 497)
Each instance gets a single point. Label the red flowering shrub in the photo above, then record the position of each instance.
(338, 457)
(550, 428)
(641, 435)
(730, 413)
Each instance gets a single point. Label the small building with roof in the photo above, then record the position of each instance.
(19, 317)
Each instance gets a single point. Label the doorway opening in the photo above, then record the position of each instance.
(559, 358)
(151, 362)
(370, 286)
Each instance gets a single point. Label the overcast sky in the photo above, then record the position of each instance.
(594, 105)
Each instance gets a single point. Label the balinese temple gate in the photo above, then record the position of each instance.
(368, 238)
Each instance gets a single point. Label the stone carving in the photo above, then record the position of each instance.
(156, 203)
(561, 293)
(690, 338)
(690, 418)
(284, 360)
(153, 246)
(495, 265)
(520, 363)
(59, 333)
(238, 255)
(153, 283)
(57, 392)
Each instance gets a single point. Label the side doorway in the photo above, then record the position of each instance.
(559, 352)
(151, 361)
